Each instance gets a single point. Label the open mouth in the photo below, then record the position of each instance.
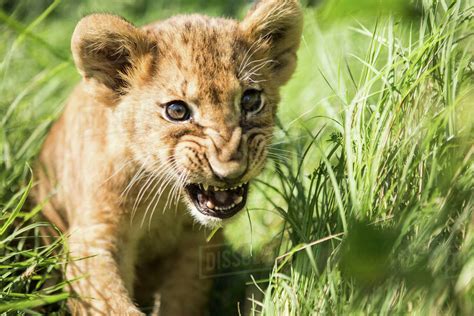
(218, 202)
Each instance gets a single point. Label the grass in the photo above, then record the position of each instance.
(367, 203)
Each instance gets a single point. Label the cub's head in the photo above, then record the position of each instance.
(194, 98)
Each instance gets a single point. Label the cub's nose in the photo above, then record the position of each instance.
(227, 157)
(229, 171)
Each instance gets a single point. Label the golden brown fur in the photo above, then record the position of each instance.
(116, 166)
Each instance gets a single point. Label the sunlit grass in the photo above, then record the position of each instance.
(378, 202)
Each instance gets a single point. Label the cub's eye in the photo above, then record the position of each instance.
(177, 111)
(251, 101)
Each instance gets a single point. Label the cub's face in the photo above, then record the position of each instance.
(195, 96)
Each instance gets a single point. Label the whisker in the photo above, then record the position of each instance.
(163, 184)
(142, 191)
(183, 183)
(138, 175)
(162, 179)
(117, 172)
(152, 176)
(247, 57)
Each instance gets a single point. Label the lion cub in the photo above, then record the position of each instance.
(167, 128)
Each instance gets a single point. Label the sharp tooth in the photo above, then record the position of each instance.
(209, 204)
(205, 186)
(238, 200)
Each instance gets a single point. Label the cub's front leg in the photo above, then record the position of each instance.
(101, 278)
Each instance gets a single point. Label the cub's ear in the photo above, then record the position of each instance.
(108, 49)
(278, 25)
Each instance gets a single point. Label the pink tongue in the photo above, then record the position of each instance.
(221, 196)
